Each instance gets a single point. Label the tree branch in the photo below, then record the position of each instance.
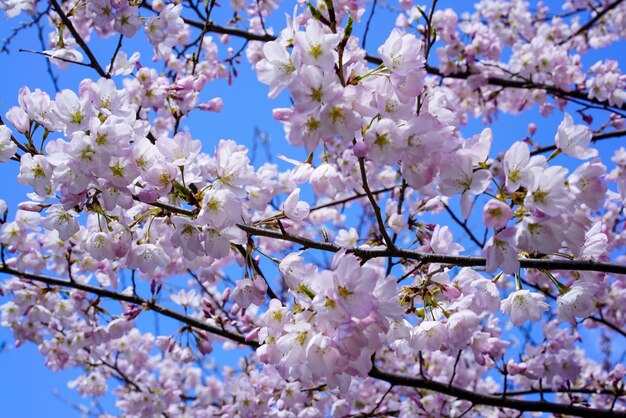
(490, 400)
(494, 81)
(459, 260)
(592, 21)
(393, 379)
(79, 40)
(377, 213)
(136, 300)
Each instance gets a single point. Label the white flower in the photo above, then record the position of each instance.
(577, 301)
(183, 298)
(62, 221)
(574, 140)
(523, 305)
(294, 209)
(7, 147)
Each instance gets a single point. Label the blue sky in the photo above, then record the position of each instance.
(25, 383)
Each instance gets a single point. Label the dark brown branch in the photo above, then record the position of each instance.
(350, 198)
(117, 50)
(494, 81)
(592, 21)
(379, 218)
(453, 260)
(136, 300)
(478, 398)
(461, 261)
(393, 379)
(51, 56)
(463, 225)
(79, 40)
(587, 391)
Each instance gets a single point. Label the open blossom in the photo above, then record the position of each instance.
(429, 335)
(294, 208)
(7, 146)
(442, 241)
(522, 305)
(347, 239)
(250, 291)
(183, 297)
(577, 301)
(100, 246)
(460, 177)
(277, 69)
(64, 222)
(547, 191)
(37, 172)
(586, 183)
(401, 53)
(574, 140)
(501, 253)
(147, 257)
(316, 47)
(515, 164)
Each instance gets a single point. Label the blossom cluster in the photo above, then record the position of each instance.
(346, 277)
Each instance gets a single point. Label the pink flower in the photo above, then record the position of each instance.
(184, 298)
(500, 252)
(523, 305)
(250, 291)
(147, 257)
(295, 209)
(442, 241)
(37, 172)
(7, 146)
(460, 177)
(577, 301)
(515, 164)
(315, 46)
(62, 221)
(429, 335)
(277, 69)
(574, 140)
(496, 214)
(587, 184)
(547, 191)
(401, 53)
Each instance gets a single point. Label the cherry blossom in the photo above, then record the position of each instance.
(387, 264)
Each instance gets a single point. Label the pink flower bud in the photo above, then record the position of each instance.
(30, 206)
(282, 114)
(148, 195)
(253, 335)
(18, 117)
(205, 347)
(213, 105)
(532, 128)
(360, 149)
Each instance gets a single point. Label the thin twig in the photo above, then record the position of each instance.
(79, 40)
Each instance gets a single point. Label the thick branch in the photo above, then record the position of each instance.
(459, 260)
(146, 304)
(393, 379)
(494, 81)
(489, 400)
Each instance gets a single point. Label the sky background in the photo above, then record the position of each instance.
(26, 385)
